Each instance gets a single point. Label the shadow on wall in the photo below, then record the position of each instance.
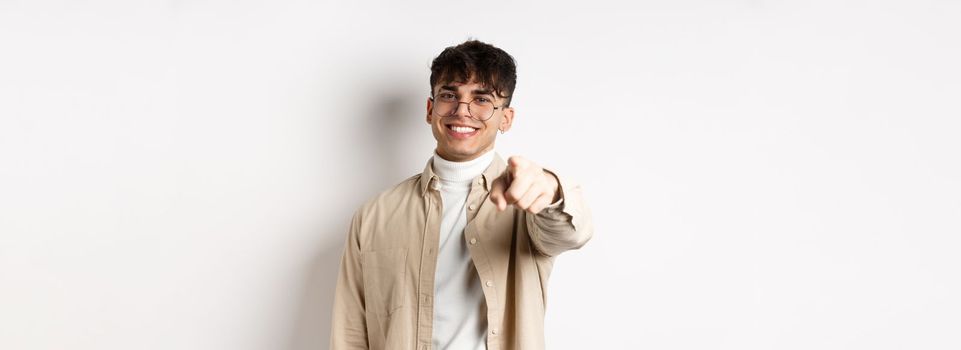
(380, 142)
(312, 329)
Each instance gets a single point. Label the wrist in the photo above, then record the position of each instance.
(555, 185)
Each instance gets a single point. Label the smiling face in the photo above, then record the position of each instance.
(459, 136)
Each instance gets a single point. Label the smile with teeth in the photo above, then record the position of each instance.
(462, 129)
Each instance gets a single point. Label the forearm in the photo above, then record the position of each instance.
(564, 225)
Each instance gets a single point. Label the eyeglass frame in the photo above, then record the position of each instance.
(454, 110)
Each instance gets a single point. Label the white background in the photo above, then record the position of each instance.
(763, 174)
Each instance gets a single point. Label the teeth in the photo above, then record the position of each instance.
(462, 129)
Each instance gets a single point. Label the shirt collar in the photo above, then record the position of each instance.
(494, 170)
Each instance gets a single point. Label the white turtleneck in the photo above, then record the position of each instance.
(460, 312)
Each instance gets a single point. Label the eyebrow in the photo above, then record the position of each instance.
(475, 92)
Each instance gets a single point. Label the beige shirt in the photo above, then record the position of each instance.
(384, 293)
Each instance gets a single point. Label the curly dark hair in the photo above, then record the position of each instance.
(485, 63)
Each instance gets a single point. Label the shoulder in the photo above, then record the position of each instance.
(389, 200)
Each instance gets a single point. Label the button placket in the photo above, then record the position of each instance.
(428, 267)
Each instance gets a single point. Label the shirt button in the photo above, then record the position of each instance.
(489, 283)
(471, 207)
(473, 240)
(494, 331)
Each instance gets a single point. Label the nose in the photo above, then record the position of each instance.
(462, 112)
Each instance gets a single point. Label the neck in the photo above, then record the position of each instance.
(462, 171)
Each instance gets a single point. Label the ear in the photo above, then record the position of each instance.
(430, 109)
(507, 120)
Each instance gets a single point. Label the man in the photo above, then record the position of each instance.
(458, 257)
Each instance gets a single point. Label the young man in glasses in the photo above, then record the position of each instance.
(458, 257)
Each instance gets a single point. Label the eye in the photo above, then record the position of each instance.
(483, 100)
(446, 96)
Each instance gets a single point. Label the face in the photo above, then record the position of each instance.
(459, 136)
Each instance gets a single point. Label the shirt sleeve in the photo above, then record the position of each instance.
(349, 320)
(564, 225)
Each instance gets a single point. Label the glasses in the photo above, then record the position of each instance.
(480, 108)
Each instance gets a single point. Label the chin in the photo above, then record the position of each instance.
(458, 153)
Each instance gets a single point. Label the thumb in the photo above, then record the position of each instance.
(497, 191)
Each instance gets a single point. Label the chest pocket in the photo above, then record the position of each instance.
(385, 276)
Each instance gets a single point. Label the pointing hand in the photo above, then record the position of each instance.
(524, 185)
